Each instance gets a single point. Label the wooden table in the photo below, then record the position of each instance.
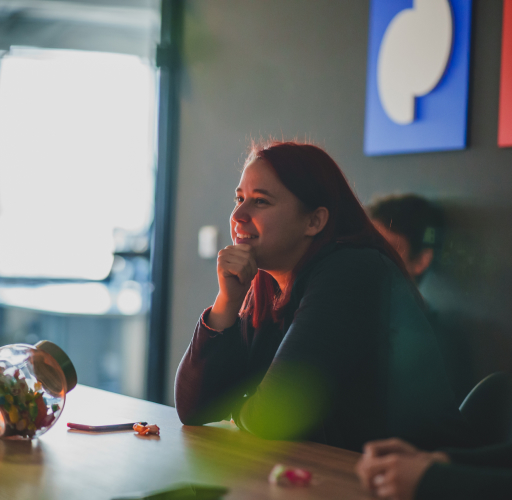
(74, 465)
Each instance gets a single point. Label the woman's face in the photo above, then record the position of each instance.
(269, 218)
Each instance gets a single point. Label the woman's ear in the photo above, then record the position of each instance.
(317, 221)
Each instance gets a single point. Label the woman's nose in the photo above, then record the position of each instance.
(240, 213)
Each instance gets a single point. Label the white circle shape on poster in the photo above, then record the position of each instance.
(413, 56)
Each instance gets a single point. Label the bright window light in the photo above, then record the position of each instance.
(76, 159)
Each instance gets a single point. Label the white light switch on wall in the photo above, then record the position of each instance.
(208, 242)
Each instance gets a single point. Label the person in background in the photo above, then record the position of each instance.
(415, 227)
(396, 470)
(317, 331)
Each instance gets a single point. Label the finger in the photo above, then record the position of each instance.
(245, 276)
(370, 467)
(235, 271)
(236, 250)
(233, 260)
(227, 259)
(385, 485)
(248, 253)
(246, 250)
(387, 491)
(378, 480)
(242, 246)
(361, 469)
(386, 446)
(378, 448)
(242, 268)
(230, 260)
(232, 254)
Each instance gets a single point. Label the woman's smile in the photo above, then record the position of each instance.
(242, 237)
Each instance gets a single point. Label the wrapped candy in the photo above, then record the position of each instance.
(144, 430)
(287, 476)
(23, 409)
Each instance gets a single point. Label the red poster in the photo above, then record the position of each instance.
(505, 113)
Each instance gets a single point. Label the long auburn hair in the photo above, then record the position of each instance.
(316, 180)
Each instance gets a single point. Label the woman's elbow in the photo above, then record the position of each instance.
(188, 416)
(196, 414)
(191, 420)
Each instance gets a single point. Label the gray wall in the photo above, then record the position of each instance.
(298, 68)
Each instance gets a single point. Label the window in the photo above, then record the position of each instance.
(76, 161)
(77, 168)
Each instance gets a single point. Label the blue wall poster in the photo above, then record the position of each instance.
(417, 78)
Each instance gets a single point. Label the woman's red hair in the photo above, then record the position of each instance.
(317, 181)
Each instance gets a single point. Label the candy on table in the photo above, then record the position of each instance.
(286, 476)
(24, 410)
(144, 430)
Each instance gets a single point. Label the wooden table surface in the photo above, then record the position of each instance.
(74, 465)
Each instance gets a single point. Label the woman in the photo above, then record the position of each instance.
(396, 470)
(316, 333)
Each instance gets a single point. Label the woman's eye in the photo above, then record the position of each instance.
(256, 201)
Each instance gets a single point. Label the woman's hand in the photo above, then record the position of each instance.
(393, 468)
(236, 268)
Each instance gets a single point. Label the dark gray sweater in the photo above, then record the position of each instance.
(480, 474)
(355, 360)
